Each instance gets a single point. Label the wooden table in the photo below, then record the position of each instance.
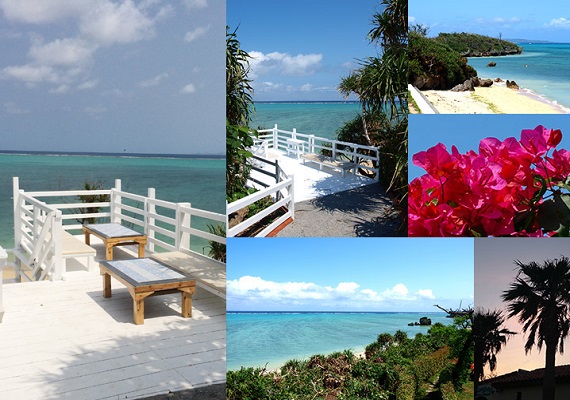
(145, 277)
(115, 235)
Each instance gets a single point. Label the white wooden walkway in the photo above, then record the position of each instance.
(310, 182)
(64, 340)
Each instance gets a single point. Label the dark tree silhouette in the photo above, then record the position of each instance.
(540, 299)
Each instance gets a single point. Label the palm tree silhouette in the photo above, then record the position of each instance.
(489, 337)
(540, 298)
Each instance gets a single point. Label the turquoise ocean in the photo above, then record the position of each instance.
(260, 338)
(541, 68)
(199, 181)
(311, 118)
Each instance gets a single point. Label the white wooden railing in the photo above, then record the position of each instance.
(3, 260)
(281, 193)
(38, 225)
(366, 157)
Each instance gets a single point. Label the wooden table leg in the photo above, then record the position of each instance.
(141, 249)
(187, 301)
(138, 307)
(108, 251)
(87, 238)
(106, 285)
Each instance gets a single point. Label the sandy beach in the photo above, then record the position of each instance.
(497, 99)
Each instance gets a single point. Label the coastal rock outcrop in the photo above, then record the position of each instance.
(498, 80)
(424, 321)
(471, 84)
(512, 85)
(492, 64)
(424, 82)
(465, 86)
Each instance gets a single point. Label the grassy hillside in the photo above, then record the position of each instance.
(472, 45)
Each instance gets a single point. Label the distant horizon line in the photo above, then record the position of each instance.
(307, 101)
(335, 312)
(105, 154)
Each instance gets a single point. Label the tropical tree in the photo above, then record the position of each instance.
(489, 337)
(239, 105)
(380, 83)
(540, 299)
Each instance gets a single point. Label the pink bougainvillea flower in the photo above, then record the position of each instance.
(489, 193)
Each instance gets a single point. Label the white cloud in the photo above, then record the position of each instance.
(504, 21)
(347, 287)
(14, 109)
(283, 64)
(190, 4)
(411, 19)
(117, 23)
(196, 33)
(88, 85)
(399, 292)
(307, 87)
(60, 89)
(425, 293)
(30, 73)
(190, 88)
(43, 11)
(64, 52)
(154, 81)
(561, 23)
(255, 288)
(63, 61)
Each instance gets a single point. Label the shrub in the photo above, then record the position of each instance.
(448, 392)
(435, 64)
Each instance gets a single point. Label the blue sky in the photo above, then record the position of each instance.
(142, 76)
(524, 19)
(381, 274)
(466, 131)
(302, 48)
(494, 271)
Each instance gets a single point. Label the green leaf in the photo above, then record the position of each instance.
(548, 216)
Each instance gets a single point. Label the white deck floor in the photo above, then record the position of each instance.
(64, 340)
(310, 182)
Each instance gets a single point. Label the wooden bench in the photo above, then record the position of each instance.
(209, 274)
(329, 162)
(72, 247)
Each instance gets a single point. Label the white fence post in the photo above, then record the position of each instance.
(292, 194)
(116, 203)
(294, 134)
(275, 138)
(56, 231)
(151, 209)
(182, 219)
(311, 143)
(17, 212)
(3, 260)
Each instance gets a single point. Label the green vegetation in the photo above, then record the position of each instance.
(239, 105)
(217, 250)
(394, 367)
(441, 63)
(91, 198)
(381, 86)
(472, 45)
(435, 65)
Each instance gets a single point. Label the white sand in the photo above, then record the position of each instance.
(497, 99)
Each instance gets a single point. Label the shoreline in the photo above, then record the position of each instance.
(496, 99)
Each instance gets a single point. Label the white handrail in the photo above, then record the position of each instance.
(3, 261)
(277, 139)
(286, 201)
(38, 226)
